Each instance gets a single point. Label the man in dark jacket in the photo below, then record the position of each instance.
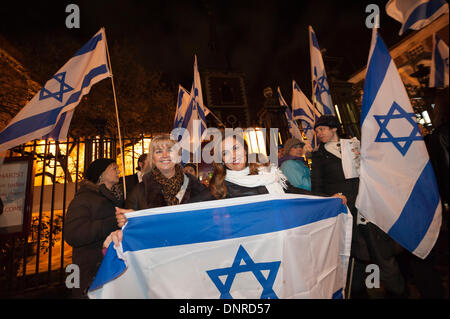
(369, 243)
(91, 218)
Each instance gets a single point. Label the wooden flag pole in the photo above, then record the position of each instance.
(117, 118)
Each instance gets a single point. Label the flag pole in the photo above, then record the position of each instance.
(117, 117)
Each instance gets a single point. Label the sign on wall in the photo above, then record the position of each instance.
(16, 195)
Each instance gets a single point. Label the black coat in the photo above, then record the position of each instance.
(90, 219)
(131, 181)
(327, 177)
(234, 190)
(148, 194)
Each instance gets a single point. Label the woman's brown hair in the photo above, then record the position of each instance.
(217, 183)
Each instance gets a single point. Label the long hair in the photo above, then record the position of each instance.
(217, 183)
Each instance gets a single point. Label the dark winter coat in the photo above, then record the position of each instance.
(234, 190)
(148, 194)
(327, 177)
(90, 219)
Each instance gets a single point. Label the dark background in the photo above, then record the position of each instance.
(267, 40)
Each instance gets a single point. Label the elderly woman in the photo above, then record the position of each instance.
(164, 183)
(91, 218)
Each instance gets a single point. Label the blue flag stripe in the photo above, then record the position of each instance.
(55, 132)
(418, 212)
(227, 222)
(314, 41)
(376, 72)
(38, 121)
(423, 11)
(90, 45)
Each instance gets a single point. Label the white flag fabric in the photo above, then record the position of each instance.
(293, 128)
(439, 63)
(321, 95)
(49, 112)
(415, 14)
(397, 190)
(264, 246)
(303, 110)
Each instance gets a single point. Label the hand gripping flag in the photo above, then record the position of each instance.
(439, 63)
(397, 190)
(264, 246)
(293, 128)
(303, 110)
(49, 112)
(415, 14)
(321, 95)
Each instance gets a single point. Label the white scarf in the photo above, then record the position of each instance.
(270, 177)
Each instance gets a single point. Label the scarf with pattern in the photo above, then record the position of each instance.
(170, 186)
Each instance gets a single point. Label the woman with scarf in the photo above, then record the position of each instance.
(236, 176)
(91, 218)
(294, 166)
(164, 183)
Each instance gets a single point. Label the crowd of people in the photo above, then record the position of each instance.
(98, 210)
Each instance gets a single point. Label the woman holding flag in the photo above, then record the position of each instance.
(236, 176)
(164, 183)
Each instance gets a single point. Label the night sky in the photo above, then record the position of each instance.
(267, 40)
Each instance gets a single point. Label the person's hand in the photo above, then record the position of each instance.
(120, 216)
(115, 237)
(342, 197)
(307, 148)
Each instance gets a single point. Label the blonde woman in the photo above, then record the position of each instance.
(164, 182)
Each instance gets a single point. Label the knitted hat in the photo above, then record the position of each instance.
(96, 168)
(291, 143)
(327, 120)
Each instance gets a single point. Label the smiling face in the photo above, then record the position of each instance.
(234, 155)
(162, 158)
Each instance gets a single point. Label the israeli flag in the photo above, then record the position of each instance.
(397, 190)
(321, 95)
(303, 110)
(184, 97)
(193, 120)
(49, 112)
(183, 105)
(439, 63)
(293, 128)
(264, 246)
(415, 14)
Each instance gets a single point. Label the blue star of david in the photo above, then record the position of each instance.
(384, 135)
(63, 88)
(249, 265)
(320, 86)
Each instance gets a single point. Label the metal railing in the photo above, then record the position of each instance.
(37, 260)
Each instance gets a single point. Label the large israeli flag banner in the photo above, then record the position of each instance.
(439, 63)
(303, 110)
(397, 189)
(264, 246)
(49, 112)
(415, 14)
(321, 95)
